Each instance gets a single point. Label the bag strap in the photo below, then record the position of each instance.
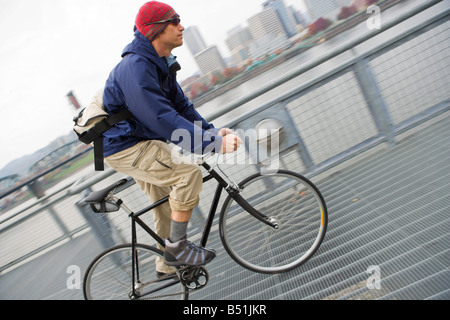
(98, 154)
(104, 125)
(95, 135)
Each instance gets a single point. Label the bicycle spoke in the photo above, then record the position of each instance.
(110, 276)
(293, 204)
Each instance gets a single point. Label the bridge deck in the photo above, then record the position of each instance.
(390, 210)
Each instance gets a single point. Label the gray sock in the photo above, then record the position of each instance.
(177, 231)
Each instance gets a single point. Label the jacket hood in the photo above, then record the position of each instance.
(143, 47)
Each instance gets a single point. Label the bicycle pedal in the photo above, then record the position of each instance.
(194, 278)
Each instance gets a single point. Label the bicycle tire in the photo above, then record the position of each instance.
(109, 275)
(298, 207)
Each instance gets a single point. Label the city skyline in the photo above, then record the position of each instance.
(264, 32)
(252, 41)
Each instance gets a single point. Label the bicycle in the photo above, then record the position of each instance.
(268, 224)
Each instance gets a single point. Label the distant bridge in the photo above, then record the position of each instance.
(53, 157)
(30, 181)
(9, 182)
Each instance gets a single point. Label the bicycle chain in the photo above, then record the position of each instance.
(179, 273)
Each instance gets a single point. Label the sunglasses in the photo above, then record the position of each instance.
(175, 21)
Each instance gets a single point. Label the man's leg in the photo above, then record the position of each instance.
(178, 250)
(179, 225)
(161, 219)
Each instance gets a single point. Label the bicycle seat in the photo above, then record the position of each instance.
(99, 196)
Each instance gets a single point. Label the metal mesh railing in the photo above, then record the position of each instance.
(414, 76)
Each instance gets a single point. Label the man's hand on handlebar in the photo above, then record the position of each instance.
(230, 141)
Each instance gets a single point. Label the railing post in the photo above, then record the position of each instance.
(372, 94)
(302, 149)
(38, 191)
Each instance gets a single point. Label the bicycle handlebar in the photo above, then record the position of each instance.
(202, 158)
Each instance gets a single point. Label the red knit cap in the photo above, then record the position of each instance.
(153, 11)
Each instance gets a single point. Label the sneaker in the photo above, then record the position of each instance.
(185, 253)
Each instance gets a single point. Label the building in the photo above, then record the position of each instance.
(268, 33)
(300, 19)
(194, 40)
(325, 9)
(285, 15)
(210, 60)
(266, 22)
(238, 41)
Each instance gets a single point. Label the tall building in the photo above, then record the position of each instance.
(194, 40)
(284, 14)
(268, 33)
(210, 60)
(266, 22)
(238, 40)
(325, 9)
(299, 18)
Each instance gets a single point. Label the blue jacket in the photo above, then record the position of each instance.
(142, 83)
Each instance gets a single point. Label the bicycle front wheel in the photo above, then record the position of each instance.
(109, 276)
(291, 201)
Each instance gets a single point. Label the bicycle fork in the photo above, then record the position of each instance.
(234, 193)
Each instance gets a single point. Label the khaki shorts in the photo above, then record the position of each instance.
(151, 164)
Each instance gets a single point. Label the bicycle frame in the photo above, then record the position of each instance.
(233, 191)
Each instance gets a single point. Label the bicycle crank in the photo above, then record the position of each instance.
(194, 278)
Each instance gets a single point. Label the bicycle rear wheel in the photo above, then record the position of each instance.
(290, 200)
(109, 276)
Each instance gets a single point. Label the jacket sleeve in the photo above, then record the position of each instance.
(180, 124)
(186, 108)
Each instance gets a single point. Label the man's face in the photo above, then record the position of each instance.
(172, 36)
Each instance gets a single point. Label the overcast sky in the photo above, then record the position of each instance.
(50, 47)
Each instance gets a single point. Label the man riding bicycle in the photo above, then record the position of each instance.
(145, 83)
